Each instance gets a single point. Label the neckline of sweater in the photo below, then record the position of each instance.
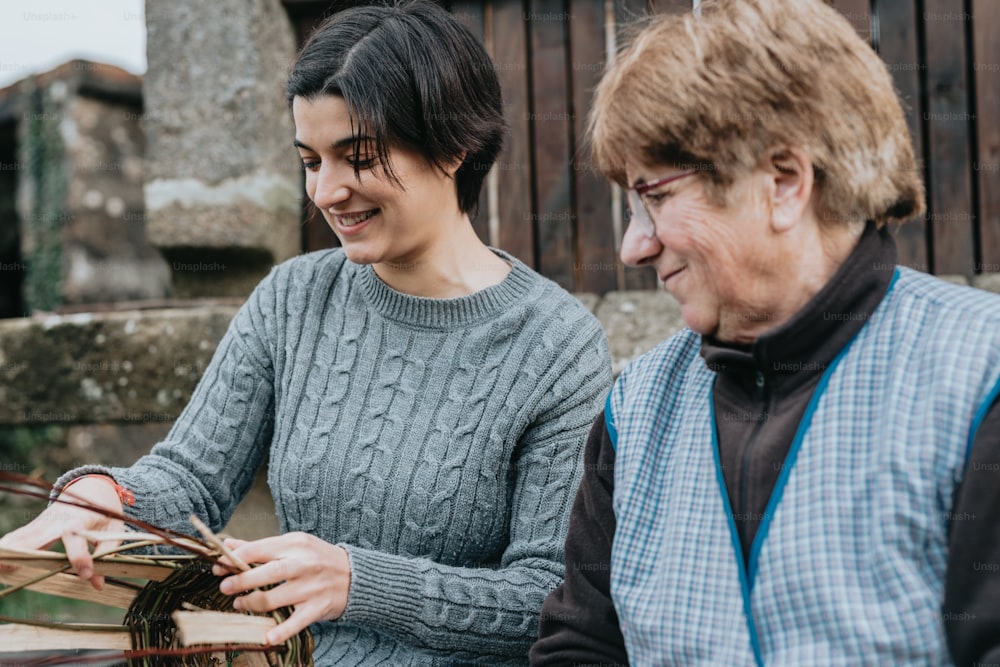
(450, 313)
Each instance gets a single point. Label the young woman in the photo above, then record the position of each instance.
(421, 398)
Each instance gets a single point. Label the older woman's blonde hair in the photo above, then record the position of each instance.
(720, 89)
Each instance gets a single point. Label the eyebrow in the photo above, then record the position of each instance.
(339, 143)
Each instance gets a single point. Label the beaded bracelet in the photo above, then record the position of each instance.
(124, 495)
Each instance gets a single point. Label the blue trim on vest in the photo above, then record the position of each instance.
(733, 533)
(793, 452)
(747, 572)
(786, 468)
(609, 423)
(977, 421)
(892, 283)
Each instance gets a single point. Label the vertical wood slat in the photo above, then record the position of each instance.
(551, 126)
(951, 208)
(626, 12)
(859, 13)
(899, 46)
(669, 6)
(596, 265)
(514, 165)
(471, 14)
(316, 233)
(986, 70)
(957, 170)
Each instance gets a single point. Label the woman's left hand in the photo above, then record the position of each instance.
(312, 576)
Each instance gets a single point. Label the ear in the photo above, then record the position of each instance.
(791, 181)
(451, 167)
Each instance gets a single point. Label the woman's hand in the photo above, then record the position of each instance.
(312, 576)
(60, 521)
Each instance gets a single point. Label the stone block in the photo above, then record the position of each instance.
(106, 254)
(636, 322)
(221, 170)
(590, 301)
(79, 191)
(954, 278)
(113, 444)
(987, 281)
(132, 367)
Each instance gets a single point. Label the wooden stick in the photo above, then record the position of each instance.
(219, 627)
(68, 585)
(109, 566)
(32, 638)
(213, 539)
(130, 536)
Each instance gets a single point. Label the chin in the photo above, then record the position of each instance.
(699, 322)
(360, 255)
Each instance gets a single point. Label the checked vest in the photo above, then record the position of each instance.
(848, 564)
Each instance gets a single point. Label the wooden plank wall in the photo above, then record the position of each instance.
(985, 35)
(545, 203)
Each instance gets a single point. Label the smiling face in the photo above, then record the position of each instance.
(377, 221)
(719, 263)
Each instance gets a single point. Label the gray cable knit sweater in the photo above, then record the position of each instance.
(438, 440)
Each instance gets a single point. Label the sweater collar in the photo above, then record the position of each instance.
(801, 348)
(447, 313)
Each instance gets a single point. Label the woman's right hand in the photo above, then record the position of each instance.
(61, 521)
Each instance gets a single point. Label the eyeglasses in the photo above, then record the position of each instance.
(638, 209)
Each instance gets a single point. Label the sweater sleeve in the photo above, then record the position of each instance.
(579, 624)
(209, 458)
(972, 583)
(479, 613)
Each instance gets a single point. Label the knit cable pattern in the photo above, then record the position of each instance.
(438, 440)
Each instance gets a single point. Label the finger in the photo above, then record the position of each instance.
(260, 602)
(266, 549)
(221, 569)
(102, 547)
(79, 555)
(274, 572)
(30, 536)
(224, 564)
(292, 626)
(27, 537)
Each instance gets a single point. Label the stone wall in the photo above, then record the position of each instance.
(77, 150)
(223, 182)
(106, 254)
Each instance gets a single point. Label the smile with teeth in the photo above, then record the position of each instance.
(355, 218)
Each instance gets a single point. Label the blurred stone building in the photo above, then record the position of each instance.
(72, 220)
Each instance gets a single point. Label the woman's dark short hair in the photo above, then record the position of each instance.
(411, 74)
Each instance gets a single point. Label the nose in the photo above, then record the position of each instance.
(331, 185)
(637, 248)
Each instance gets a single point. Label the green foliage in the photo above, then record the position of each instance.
(23, 448)
(44, 155)
(23, 451)
(55, 609)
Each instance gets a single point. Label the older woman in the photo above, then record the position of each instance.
(805, 475)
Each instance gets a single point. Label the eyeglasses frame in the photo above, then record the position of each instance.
(637, 207)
